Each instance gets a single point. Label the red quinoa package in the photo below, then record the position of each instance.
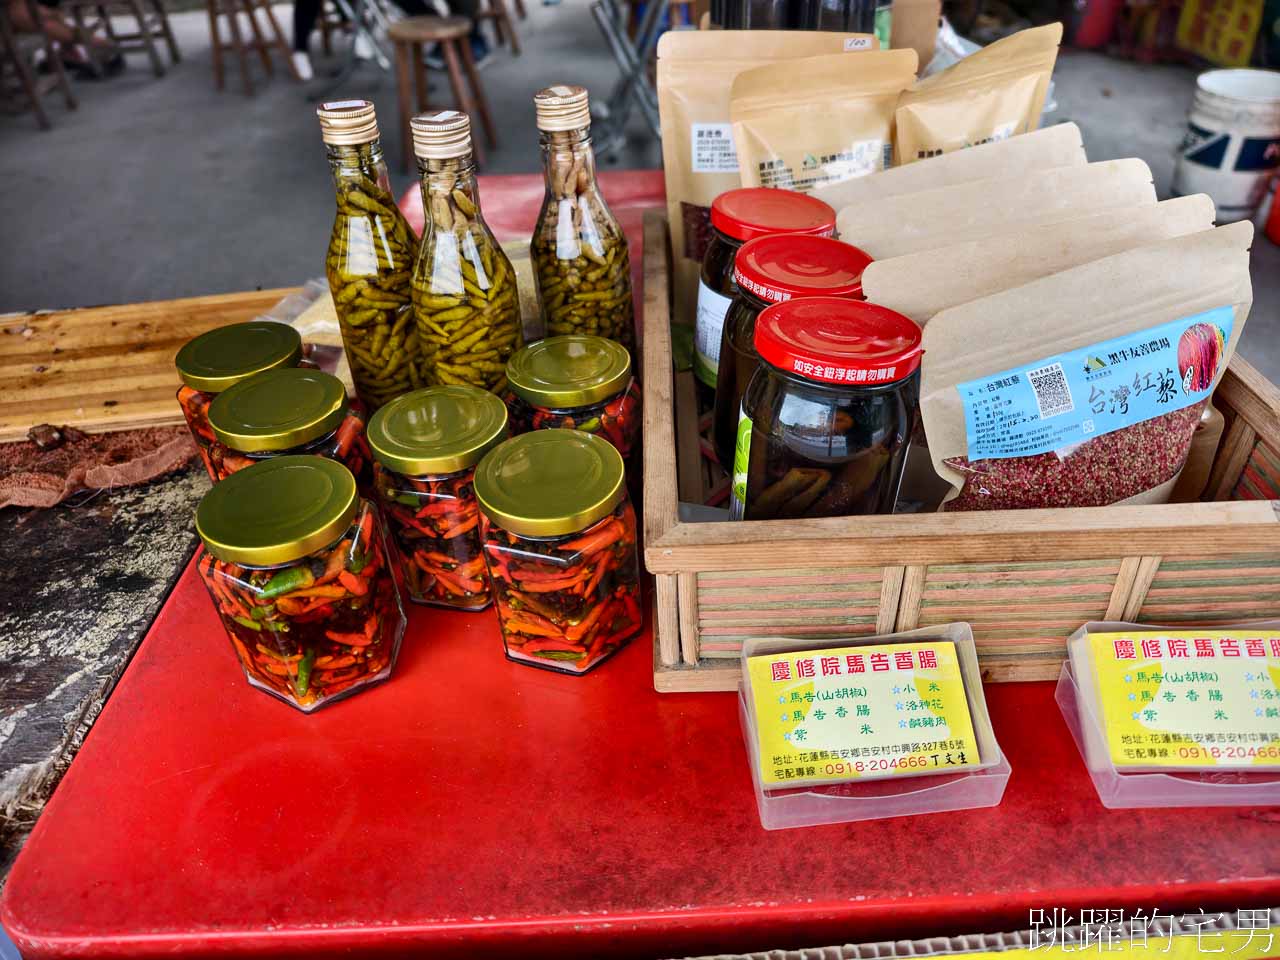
(921, 285)
(1084, 388)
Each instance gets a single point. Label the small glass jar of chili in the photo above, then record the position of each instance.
(576, 382)
(223, 357)
(285, 412)
(772, 270)
(829, 412)
(295, 562)
(425, 447)
(560, 544)
(736, 217)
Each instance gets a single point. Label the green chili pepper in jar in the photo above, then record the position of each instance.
(370, 258)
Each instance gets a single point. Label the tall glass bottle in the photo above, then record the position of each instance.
(579, 251)
(370, 258)
(464, 288)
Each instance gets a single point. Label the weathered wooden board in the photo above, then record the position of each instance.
(106, 368)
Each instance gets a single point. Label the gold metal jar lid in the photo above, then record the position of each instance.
(444, 135)
(348, 122)
(550, 483)
(562, 107)
(569, 371)
(278, 510)
(278, 410)
(222, 357)
(437, 430)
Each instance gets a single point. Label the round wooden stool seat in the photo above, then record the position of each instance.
(411, 37)
(429, 29)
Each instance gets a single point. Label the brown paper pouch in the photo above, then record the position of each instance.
(915, 25)
(920, 285)
(819, 120)
(991, 95)
(1056, 146)
(695, 71)
(1006, 353)
(930, 219)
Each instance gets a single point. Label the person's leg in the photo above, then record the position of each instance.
(305, 14)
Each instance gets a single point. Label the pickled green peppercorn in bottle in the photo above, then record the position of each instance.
(465, 305)
(370, 258)
(579, 251)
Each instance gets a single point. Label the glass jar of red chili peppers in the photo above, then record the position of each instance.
(286, 412)
(771, 270)
(560, 544)
(223, 357)
(295, 563)
(736, 217)
(425, 446)
(578, 383)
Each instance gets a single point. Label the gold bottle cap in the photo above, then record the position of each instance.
(444, 135)
(562, 107)
(346, 123)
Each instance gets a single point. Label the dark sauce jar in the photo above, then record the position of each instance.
(736, 217)
(771, 270)
(828, 415)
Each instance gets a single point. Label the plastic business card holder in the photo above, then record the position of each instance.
(1120, 789)
(899, 795)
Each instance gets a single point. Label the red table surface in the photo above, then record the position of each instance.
(471, 806)
(474, 807)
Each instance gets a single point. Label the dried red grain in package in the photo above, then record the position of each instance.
(1100, 471)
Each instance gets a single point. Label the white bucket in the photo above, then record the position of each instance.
(1232, 146)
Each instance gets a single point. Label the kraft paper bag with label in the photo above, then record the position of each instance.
(994, 94)
(1057, 146)
(1085, 388)
(920, 285)
(695, 72)
(929, 219)
(819, 120)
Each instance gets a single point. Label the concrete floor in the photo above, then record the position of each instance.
(159, 188)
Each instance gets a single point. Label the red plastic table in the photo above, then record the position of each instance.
(473, 807)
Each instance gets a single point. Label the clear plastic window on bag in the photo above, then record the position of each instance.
(1140, 461)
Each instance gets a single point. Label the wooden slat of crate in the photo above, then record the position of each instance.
(1022, 611)
(1260, 479)
(1025, 579)
(106, 368)
(1202, 592)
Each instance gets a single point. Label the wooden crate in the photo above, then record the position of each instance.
(1025, 579)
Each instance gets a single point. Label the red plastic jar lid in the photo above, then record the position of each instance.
(782, 266)
(832, 340)
(750, 212)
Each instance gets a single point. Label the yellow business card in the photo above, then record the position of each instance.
(848, 713)
(1189, 698)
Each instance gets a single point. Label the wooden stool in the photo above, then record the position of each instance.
(231, 11)
(520, 10)
(410, 36)
(16, 57)
(496, 10)
(151, 26)
(330, 22)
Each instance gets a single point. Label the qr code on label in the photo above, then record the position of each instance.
(1053, 394)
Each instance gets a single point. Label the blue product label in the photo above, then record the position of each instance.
(1073, 397)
